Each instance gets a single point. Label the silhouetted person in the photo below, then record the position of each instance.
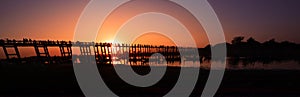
(2, 41)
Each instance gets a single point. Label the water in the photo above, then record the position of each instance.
(271, 64)
(240, 64)
(231, 63)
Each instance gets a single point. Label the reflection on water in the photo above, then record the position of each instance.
(239, 64)
(205, 63)
(264, 63)
(275, 65)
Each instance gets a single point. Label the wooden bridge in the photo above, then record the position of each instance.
(104, 53)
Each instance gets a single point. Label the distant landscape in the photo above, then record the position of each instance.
(269, 69)
(248, 51)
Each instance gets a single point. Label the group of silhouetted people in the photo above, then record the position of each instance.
(30, 41)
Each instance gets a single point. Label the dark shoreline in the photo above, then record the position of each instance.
(60, 81)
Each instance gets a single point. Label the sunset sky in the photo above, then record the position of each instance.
(57, 19)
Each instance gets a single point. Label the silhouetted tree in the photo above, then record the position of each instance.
(270, 42)
(251, 41)
(287, 43)
(237, 40)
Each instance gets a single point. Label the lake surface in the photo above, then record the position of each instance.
(235, 64)
(231, 63)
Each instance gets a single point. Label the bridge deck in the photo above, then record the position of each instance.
(103, 52)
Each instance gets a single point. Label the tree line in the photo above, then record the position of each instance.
(239, 47)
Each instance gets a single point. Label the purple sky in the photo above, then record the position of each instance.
(56, 19)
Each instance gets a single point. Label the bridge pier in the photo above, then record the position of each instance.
(43, 55)
(65, 49)
(8, 54)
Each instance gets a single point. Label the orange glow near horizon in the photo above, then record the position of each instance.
(125, 12)
(57, 19)
(154, 39)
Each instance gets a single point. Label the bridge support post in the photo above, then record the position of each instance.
(16, 50)
(42, 56)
